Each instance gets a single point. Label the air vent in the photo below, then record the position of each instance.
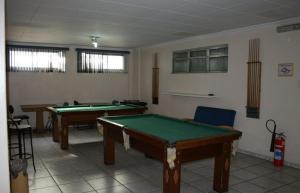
(286, 28)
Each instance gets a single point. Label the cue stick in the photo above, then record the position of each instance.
(258, 74)
(248, 88)
(251, 77)
(155, 80)
(254, 75)
(254, 72)
(249, 73)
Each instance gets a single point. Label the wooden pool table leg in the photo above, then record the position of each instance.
(109, 148)
(222, 168)
(171, 177)
(55, 130)
(40, 127)
(64, 134)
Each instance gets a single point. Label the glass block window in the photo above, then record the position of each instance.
(199, 60)
(180, 63)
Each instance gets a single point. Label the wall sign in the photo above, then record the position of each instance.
(285, 69)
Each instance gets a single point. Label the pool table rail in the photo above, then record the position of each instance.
(218, 147)
(60, 133)
(150, 145)
(206, 147)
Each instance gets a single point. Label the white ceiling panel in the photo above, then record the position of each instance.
(155, 4)
(281, 13)
(254, 6)
(18, 19)
(102, 6)
(289, 3)
(134, 23)
(198, 10)
(178, 18)
(224, 3)
(23, 7)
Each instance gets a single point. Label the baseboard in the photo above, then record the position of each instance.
(268, 158)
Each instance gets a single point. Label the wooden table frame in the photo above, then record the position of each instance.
(61, 134)
(186, 151)
(39, 111)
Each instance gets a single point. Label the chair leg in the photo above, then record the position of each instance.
(9, 144)
(49, 124)
(24, 144)
(20, 144)
(32, 153)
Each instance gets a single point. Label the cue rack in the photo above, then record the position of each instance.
(254, 79)
(155, 79)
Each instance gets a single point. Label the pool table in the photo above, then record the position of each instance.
(173, 142)
(84, 114)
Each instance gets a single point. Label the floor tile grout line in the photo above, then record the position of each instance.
(283, 185)
(125, 184)
(239, 168)
(249, 181)
(145, 179)
(266, 190)
(91, 184)
(51, 175)
(111, 177)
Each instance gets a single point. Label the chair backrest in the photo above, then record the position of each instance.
(115, 102)
(76, 102)
(214, 116)
(11, 109)
(12, 122)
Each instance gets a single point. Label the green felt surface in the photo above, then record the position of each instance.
(169, 129)
(82, 108)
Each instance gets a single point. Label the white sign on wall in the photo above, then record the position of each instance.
(285, 69)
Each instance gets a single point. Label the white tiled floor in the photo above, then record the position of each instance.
(81, 169)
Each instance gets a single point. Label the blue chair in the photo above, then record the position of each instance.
(218, 117)
(215, 116)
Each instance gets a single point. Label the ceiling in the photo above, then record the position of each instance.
(135, 23)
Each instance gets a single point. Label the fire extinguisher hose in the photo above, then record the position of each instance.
(274, 133)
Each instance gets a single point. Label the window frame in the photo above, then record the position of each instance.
(31, 49)
(124, 54)
(207, 57)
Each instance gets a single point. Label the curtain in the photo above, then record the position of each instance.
(101, 61)
(36, 59)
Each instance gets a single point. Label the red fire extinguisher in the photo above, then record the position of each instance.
(279, 150)
(277, 144)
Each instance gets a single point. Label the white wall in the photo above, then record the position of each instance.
(56, 88)
(4, 177)
(279, 95)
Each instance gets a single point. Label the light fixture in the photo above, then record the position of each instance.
(94, 41)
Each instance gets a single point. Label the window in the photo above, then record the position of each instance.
(210, 59)
(35, 59)
(101, 61)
